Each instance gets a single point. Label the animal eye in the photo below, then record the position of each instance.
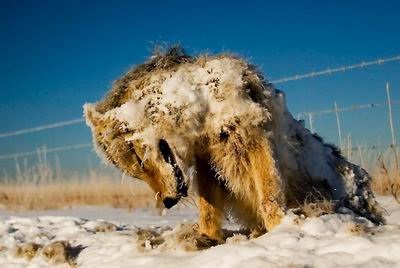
(165, 151)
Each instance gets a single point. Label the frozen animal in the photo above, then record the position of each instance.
(213, 124)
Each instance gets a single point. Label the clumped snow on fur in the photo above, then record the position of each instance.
(188, 92)
(150, 241)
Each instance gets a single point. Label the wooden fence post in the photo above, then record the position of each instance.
(390, 115)
(311, 121)
(338, 126)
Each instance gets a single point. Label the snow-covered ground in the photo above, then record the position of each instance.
(104, 237)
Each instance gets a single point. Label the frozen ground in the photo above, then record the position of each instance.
(145, 239)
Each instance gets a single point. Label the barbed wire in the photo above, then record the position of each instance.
(87, 145)
(349, 108)
(278, 81)
(42, 127)
(82, 145)
(281, 80)
(81, 120)
(329, 71)
(46, 150)
(373, 147)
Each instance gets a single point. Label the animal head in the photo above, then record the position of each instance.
(154, 162)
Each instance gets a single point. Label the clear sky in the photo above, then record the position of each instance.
(56, 55)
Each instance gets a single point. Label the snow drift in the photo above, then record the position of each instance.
(149, 241)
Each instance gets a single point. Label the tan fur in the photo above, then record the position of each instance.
(247, 162)
(211, 202)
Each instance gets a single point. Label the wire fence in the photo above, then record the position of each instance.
(304, 115)
(42, 127)
(330, 71)
(327, 71)
(44, 149)
(350, 108)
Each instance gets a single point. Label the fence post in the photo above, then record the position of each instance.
(390, 115)
(391, 126)
(361, 157)
(311, 121)
(349, 148)
(338, 126)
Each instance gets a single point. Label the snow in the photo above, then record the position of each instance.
(130, 112)
(114, 241)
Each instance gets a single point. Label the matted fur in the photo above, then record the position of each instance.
(213, 123)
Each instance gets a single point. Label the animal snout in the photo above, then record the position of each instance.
(169, 202)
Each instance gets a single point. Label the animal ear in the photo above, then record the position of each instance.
(91, 115)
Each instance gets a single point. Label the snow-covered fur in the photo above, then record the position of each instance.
(213, 123)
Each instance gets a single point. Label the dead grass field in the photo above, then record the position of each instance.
(69, 194)
(386, 174)
(44, 187)
(42, 190)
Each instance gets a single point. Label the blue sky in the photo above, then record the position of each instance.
(56, 55)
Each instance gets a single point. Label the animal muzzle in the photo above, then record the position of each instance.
(169, 202)
(181, 186)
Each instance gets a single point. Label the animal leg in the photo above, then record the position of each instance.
(210, 203)
(268, 185)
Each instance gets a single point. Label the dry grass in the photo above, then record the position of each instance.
(383, 165)
(387, 182)
(317, 208)
(42, 188)
(386, 175)
(68, 194)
